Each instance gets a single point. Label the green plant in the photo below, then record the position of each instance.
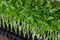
(39, 15)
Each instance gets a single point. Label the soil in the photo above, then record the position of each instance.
(3, 37)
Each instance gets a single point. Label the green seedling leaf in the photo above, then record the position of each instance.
(50, 18)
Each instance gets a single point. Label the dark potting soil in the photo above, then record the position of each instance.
(4, 35)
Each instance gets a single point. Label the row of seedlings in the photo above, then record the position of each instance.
(21, 28)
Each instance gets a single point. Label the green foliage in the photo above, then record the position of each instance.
(43, 14)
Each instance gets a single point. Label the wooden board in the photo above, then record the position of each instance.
(3, 37)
